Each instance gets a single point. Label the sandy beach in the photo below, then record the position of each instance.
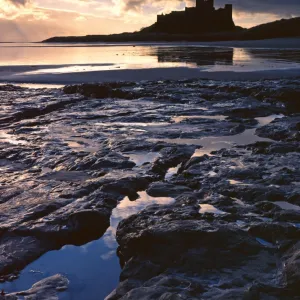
(14, 76)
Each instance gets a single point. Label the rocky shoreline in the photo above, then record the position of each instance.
(227, 152)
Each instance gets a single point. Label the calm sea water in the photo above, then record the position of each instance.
(86, 57)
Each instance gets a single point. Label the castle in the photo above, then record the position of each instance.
(200, 19)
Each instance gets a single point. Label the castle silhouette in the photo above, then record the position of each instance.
(200, 19)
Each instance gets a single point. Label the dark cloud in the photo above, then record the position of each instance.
(19, 2)
(279, 7)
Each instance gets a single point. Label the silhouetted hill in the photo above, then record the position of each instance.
(277, 29)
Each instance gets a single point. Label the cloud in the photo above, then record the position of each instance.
(278, 7)
(38, 19)
(41, 23)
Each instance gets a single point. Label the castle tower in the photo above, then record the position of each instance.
(211, 4)
(228, 8)
(199, 3)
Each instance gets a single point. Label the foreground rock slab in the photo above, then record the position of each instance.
(234, 237)
(227, 151)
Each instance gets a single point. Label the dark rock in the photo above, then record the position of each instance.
(284, 129)
(171, 157)
(47, 288)
(291, 268)
(86, 225)
(290, 98)
(89, 90)
(161, 189)
(275, 232)
(17, 251)
(161, 245)
(99, 91)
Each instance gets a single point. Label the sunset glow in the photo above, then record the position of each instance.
(34, 20)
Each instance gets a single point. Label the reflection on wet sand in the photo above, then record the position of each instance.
(210, 144)
(199, 56)
(70, 58)
(225, 56)
(292, 55)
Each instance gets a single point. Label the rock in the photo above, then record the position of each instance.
(291, 268)
(126, 186)
(290, 98)
(100, 91)
(86, 225)
(283, 129)
(69, 157)
(89, 90)
(172, 157)
(159, 246)
(275, 233)
(17, 251)
(46, 289)
(161, 189)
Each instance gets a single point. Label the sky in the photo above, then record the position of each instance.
(35, 20)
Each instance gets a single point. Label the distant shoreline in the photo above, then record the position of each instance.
(278, 29)
(275, 43)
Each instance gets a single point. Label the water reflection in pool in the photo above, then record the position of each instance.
(142, 157)
(93, 269)
(210, 144)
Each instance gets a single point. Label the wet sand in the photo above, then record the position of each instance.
(282, 43)
(145, 74)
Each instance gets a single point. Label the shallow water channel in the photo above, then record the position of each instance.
(210, 144)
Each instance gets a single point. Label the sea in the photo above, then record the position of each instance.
(34, 62)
